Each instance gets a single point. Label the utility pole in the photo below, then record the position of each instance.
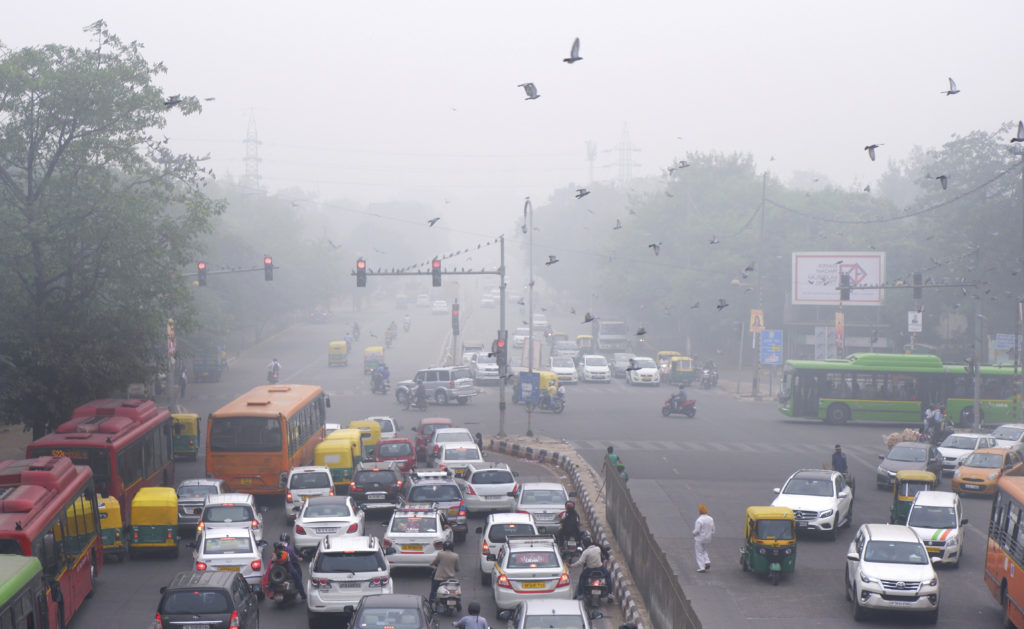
(756, 340)
(529, 404)
(502, 364)
(976, 369)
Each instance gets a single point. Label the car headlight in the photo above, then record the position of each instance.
(952, 540)
(867, 579)
(826, 513)
(957, 474)
(934, 581)
(992, 476)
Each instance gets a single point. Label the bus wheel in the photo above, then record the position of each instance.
(837, 414)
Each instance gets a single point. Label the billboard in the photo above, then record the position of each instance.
(816, 277)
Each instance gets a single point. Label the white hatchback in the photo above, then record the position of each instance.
(231, 550)
(565, 368)
(643, 370)
(304, 483)
(458, 457)
(323, 516)
(528, 568)
(446, 436)
(489, 487)
(544, 501)
(494, 535)
(231, 511)
(938, 517)
(1009, 436)
(955, 448)
(594, 368)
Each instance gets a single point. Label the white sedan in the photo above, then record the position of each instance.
(643, 370)
(415, 535)
(230, 549)
(320, 517)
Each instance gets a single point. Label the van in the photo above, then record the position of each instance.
(230, 511)
(304, 483)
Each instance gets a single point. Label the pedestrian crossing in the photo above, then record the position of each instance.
(714, 447)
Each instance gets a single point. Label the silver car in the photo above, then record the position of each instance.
(230, 549)
(443, 384)
(545, 502)
(488, 487)
(547, 613)
(192, 495)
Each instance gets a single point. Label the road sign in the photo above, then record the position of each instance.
(1004, 342)
(914, 321)
(529, 387)
(771, 347)
(756, 321)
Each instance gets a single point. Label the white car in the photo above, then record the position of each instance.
(484, 369)
(444, 436)
(304, 483)
(495, 533)
(388, 427)
(820, 500)
(955, 448)
(519, 337)
(938, 517)
(544, 501)
(565, 368)
(1009, 436)
(457, 457)
(439, 306)
(528, 568)
(230, 549)
(488, 487)
(343, 571)
(230, 511)
(888, 568)
(415, 534)
(643, 370)
(594, 368)
(548, 613)
(323, 516)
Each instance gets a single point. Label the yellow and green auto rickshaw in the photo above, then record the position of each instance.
(904, 489)
(369, 436)
(769, 542)
(112, 528)
(339, 456)
(337, 354)
(154, 520)
(664, 358)
(586, 343)
(186, 435)
(555, 337)
(373, 357)
(681, 371)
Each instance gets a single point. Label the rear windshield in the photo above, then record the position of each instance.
(461, 454)
(404, 524)
(394, 449)
(224, 513)
(310, 480)
(375, 477)
(543, 497)
(390, 617)
(352, 561)
(500, 532)
(327, 510)
(195, 602)
(452, 437)
(533, 559)
(493, 477)
(197, 491)
(560, 621)
(434, 493)
(227, 545)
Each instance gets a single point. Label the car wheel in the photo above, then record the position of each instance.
(849, 516)
(837, 413)
(401, 396)
(859, 613)
(846, 586)
(441, 397)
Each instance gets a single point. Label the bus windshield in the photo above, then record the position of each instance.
(245, 434)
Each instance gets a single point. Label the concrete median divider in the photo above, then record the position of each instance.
(588, 488)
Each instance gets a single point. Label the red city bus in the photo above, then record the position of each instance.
(127, 443)
(1005, 553)
(48, 510)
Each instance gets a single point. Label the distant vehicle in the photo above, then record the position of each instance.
(565, 368)
(443, 384)
(484, 369)
(643, 371)
(564, 348)
(957, 446)
(620, 362)
(594, 368)
(519, 337)
(610, 336)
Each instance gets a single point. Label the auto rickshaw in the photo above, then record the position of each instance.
(681, 371)
(904, 489)
(663, 358)
(547, 383)
(373, 357)
(154, 520)
(586, 343)
(186, 435)
(769, 542)
(340, 456)
(112, 528)
(369, 436)
(337, 354)
(555, 337)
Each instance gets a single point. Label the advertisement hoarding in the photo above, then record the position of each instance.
(816, 277)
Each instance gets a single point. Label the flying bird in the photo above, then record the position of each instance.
(581, 192)
(522, 301)
(632, 212)
(870, 148)
(722, 305)
(714, 240)
(695, 305)
(641, 331)
(656, 246)
(574, 54)
(618, 224)
(1020, 133)
(943, 179)
(531, 91)
(587, 318)
(681, 164)
(867, 188)
(749, 268)
(572, 310)
(431, 221)
(952, 88)
(331, 243)
(551, 260)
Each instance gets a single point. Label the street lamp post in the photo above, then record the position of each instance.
(529, 351)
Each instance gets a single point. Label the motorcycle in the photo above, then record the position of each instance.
(379, 385)
(595, 587)
(570, 548)
(708, 379)
(278, 585)
(672, 406)
(448, 600)
(415, 404)
(554, 404)
(273, 375)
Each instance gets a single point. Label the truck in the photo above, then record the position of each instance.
(610, 336)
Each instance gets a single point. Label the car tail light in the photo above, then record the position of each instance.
(563, 580)
(200, 526)
(233, 623)
(200, 565)
(191, 442)
(299, 530)
(170, 534)
(158, 622)
(386, 543)
(353, 488)
(399, 484)
(438, 545)
(436, 449)
(256, 564)
(515, 489)
(521, 511)
(379, 581)
(462, 508)
(485, 549)
(469, 490)
(135, 534)
(503, 582)
(288, 496)
(352, 528)
(330, 493)
(255, 524)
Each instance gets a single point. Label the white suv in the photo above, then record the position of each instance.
(887, 567)
(938, 517)
(820, 500)
(344, 570)
(304, 483)
(594, 368)
(484, 368)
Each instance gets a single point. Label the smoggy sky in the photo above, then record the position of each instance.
(418, 101)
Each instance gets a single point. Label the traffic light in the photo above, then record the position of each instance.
(201, 272)
(360, 273)
(268, 268)
(499, 350)
(844, 287)
(455, 318)
(435, 271)
(918, 291)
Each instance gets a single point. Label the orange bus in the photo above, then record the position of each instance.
(254, 439)
(1005, 553)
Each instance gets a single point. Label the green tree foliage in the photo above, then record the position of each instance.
(99, 217)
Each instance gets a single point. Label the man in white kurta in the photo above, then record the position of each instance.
(703, 530)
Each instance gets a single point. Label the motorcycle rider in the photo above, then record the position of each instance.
(679, 398)
(348, 338)
(592, 559)
(273, 368)
(355, 330)
(380, 378)
(287, 559)
(446, 566)
(570, 524)
(473, 620)
(420, 395)
(294, 559)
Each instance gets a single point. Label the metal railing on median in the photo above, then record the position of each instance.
(658, 583)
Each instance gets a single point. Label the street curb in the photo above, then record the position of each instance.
(621, 578)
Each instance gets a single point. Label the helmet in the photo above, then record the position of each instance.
(474, 608)
(586, 539)
(278, 546)
(285, 538)
(569, 505)
(448, 546)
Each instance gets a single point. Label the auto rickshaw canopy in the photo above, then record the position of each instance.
(185, 423)
(665, 355)
(155, 506)
(770, 534)
(110, 513)
(909, 482)
(369, 433)
(681, 363)
(337, 347)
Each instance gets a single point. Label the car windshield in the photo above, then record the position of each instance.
(434, 493)
(545, 621)
(350, 561)
(644, 363)
(196, 602)
(452, 437)
(984, 459)
(774, 529)
(329, 509)
(1008, 433)
(562, 362)
(809, 487)
(543, 497)
(370, 476)
(597, 361)
(414, 524)
(878, 551)
(310, 480)
(499, 533)
(227, 545)
(461, 454)
(959, 442)
(533, 559)
(197, 491)
(926, 517)
(390, 617)
(910, 455)
(394, 449)
(227, 513)
(492, 477)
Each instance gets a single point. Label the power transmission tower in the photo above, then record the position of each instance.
(625, 162)
(251, 184)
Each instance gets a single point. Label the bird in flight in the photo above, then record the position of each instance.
(572, 310)
(681, 164)
(714, 240)
(1020, 132)
(172, 101)
(574, 54)
(952, 88)
(522, 301)
(331, 243)
(581, 192)
(431, 221)
(656, 246)
(641, 331)
(870, 148)
(618, 224)
(587, 318)
(695, 305)
(531, 91)
(722, 305)
(749, 268)
(551, 260)
(867, 188)
(943, 179)
(632, 212)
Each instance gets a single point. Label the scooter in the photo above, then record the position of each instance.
(379, 385)
(595, 587)
(570, 549)
(278, 585)
(448, 600)
(708, 379)
(273, 376)
(671, 406)
(555, 405)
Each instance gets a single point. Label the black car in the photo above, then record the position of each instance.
(908, 455)
(209, 597)
(408, 611)
(439, 488)
(376, 486)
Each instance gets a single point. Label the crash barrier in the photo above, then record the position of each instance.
(658, 583)
(620, 585)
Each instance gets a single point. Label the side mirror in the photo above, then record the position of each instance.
(192, 545)
(262, 543)
(264, 508)
(853, 556)
(282, 481)
(515, 474)
(348, 609)
(479, 530)
(491, 558)
(163, 588)
(391, 550)
(881, 457)
(963, 522)
(327, 401)
(777, 489)
(511, 494)
(845, 492)
(572, 494)
(936, 558)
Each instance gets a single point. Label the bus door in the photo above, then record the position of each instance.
(805, 391)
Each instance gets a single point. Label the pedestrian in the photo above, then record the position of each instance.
(839, 460)
(621, 467)
(183, 382)
(612, 458)
(703, 530)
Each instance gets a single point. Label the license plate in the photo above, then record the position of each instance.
(971, 486)
(801, 525)
(230, 568)
(595, 591)
(899, 604)
(934, 551)
(199, 626)
(245, 481)
(305, 498)
(451, 602)
(325, 531)
(533, 585)
(349, 584)
(410, 547)
(375, 497)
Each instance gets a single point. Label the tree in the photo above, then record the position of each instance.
(99, 216)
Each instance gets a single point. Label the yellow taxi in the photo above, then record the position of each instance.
(980, 471)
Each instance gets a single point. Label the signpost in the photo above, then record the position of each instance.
(771, 347)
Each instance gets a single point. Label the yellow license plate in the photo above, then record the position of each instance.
(934, 551)
(230, 568)
(533, 585)
(305, 498)
(417, 547)
(245, 481)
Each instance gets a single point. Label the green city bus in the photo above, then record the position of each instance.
(895, 388)
(22, 593)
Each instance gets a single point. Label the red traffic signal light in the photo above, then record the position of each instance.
(500, 344)
(201, 273)
(435, 271)
(360, 273)
(268, 268)
(361, 264)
